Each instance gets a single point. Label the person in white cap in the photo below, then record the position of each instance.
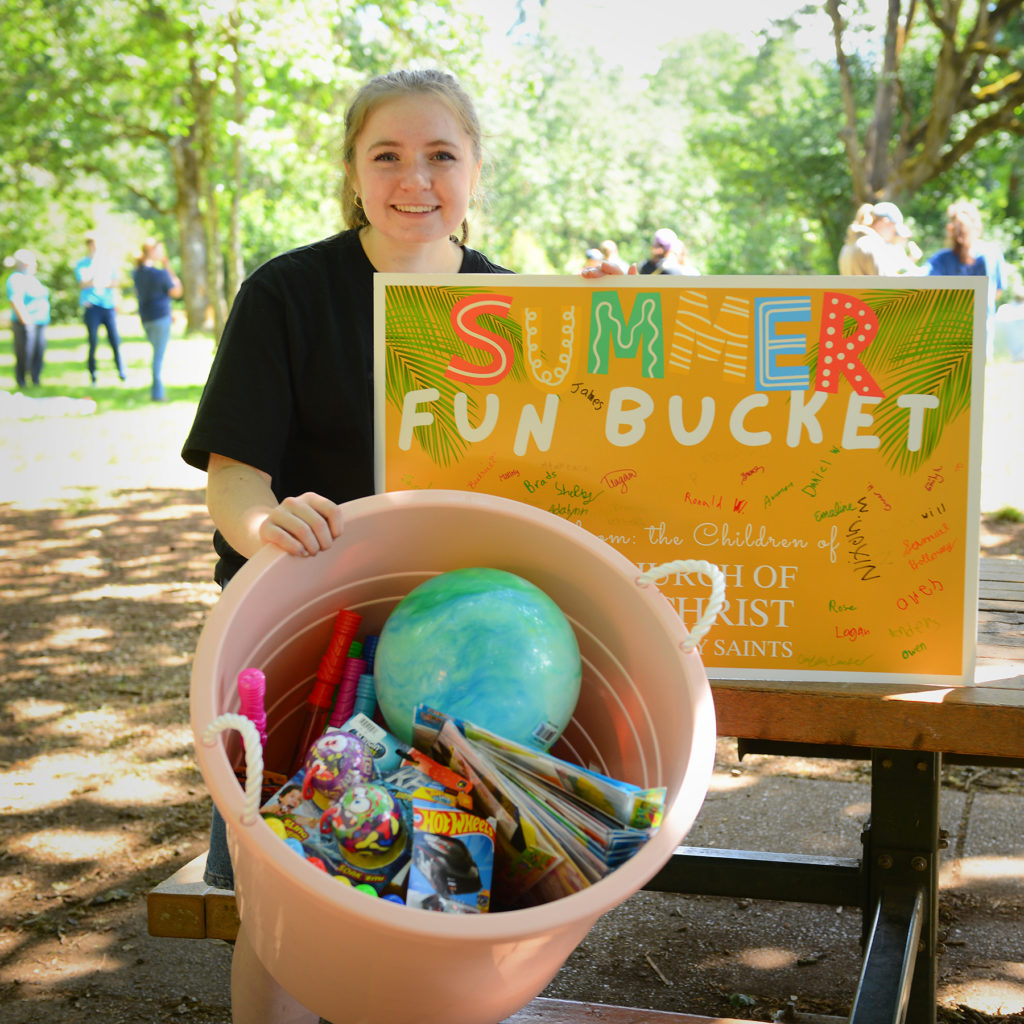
(877, 243)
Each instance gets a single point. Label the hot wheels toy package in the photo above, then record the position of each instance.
(452, 860)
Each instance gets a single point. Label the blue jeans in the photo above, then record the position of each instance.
(94, 317)
(159, 332)
(219, 871)
(29, 346)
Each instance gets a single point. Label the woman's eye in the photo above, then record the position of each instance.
(444, 155)
(385, 157)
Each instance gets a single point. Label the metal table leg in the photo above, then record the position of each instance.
(901, 860)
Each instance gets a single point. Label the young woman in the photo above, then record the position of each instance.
(284, 428)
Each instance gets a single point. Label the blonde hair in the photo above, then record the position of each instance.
(149, 248)
(395, 85)
(864, 214)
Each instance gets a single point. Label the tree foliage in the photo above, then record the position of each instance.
(217, 122)
(217, 125)
(571, 167)
(950, 76)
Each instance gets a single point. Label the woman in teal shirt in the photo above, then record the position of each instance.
(30, 313)
(97, 281)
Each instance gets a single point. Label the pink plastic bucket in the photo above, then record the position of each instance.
(645, 715)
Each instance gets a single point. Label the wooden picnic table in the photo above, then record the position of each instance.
(906, 730)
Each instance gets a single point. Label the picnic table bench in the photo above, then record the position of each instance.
(906, 730)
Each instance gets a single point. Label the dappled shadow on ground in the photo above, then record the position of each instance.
(100, 799)
(80, 588)
(1002, 537)
(100, 796)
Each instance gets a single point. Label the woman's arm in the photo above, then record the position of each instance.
(244, 509)
(21, 309)
(176, 290)
(607, 269)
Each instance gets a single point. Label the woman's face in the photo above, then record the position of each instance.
(414, 170)
(962, 230)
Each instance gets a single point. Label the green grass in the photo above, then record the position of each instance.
(186, 364)
(1009, 514)
(68, 444)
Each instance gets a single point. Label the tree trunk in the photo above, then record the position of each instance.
(967, 104)
(191, 234)
(203, 93)
(1015, 192)
(235, 264)
(848, 134)
(880, 133)
(215, 265)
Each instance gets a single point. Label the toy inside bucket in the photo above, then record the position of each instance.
(645, 716)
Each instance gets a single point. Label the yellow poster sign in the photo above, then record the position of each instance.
(817, 438)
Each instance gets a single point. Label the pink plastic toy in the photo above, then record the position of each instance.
(344, 703)
(252, 689)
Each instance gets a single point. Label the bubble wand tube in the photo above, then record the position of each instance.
(370, 652)
(366, 697)
(354, 668)
(252, 691)
(328, 675)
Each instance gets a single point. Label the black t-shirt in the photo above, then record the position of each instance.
(290, 391)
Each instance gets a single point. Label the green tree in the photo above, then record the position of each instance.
(556, 183)
(203, 116)
(774, 194)
(947, 77)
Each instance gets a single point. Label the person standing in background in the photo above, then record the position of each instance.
(682, 255)
(30, 313)
(664, 260)
(97, 281)
(967, 255)
(610, 252)
(878, 243)
(855, 232)
(155, 285)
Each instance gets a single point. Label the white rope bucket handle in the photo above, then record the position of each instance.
(658, 572)
(253, 759)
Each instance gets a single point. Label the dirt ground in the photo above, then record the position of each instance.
(100, 795)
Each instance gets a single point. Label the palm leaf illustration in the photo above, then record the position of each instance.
(923, 347)
(420, 344)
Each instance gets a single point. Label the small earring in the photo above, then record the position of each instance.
(356, 201)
